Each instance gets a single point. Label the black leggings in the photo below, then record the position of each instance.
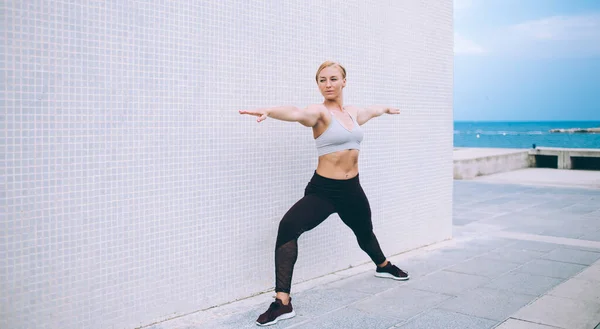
(323, 197)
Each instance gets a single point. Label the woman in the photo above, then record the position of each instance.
(334, 187)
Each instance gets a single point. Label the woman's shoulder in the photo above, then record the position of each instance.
(317, 108)
(352, 109)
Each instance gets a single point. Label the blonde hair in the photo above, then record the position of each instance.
(328, 64)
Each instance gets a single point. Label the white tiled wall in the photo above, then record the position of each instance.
(133, 191)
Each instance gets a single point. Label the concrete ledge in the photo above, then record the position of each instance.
(589, 179)
(564, 156)
(470, 163)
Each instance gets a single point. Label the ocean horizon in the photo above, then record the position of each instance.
(524, 134)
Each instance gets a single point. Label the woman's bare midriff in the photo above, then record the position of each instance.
(339, 165)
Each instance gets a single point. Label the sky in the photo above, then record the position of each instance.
(533, 60)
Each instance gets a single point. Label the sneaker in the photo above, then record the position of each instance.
(392, 272)
(277, 311)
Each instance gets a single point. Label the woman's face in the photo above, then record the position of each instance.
(331, 83)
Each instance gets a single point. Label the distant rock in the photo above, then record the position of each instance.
(577, 130)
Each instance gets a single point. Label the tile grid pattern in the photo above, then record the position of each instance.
(134, 192)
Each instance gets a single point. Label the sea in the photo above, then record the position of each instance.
(524, 134)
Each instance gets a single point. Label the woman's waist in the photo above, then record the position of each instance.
(341, 165)
(333, 184)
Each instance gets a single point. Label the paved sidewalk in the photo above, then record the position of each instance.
(522, 257)
(546, 177)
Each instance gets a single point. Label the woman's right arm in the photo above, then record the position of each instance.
(307, 117)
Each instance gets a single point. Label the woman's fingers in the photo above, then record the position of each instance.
(262, 117)
(250, 112)
(260, 114)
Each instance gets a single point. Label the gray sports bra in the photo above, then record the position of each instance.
(336, 137)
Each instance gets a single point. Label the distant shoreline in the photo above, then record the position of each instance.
(562, 122)
(576, 130)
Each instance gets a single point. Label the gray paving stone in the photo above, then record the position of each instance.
(561, 312)
(573, 256)
(524, 283)
(506, 208)
(366, 283)
(511, 222)
(583, 208)
(593, 236)
(487, 244)
(460, 220)
(454, 255)
(534, 246)
(500, 199)
(558, 204)
(537, 210)
(585, 248)
(447, 320)
(565, 231)
(548, 221)
(514, 255)
(592, 224)
(524, 201)
(484, 267)
(402, 303)
(420, 267)
(520, 324)
(439, 259)
(566, 217)
(578, 289)
(319, 300)
(529, 200)
(487, 303)
(512, 219)
(457, 206)
(473, 202)
(594, 214)
(350, 319)
(156, 326)
(446, 282)
(551, 269)
(590, 273)
(582, 197)
(538, 229)
(244, 320)
(479, 213)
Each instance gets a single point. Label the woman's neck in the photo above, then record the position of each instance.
(334, 104)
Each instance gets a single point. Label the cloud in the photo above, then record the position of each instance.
(463, 46)
(581, 27)
(555, 36)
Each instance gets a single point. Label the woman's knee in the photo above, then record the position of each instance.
(288, 230)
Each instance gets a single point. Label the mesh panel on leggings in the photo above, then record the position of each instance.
(285, 258)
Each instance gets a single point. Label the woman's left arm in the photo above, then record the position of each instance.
(365, 114)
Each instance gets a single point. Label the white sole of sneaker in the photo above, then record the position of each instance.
(389, 276)
(281, 317)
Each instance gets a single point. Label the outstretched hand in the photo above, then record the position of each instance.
(261, 114)
(391, 110)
